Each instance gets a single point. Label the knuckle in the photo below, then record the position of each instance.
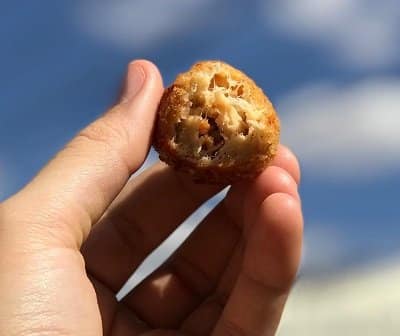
(103, 132)
(105, 136)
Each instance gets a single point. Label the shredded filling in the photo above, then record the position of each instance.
(201, 131)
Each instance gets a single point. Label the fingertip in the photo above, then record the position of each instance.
(272, 180)
(287, 160)
(151, 70)
(283, 212)
(152, 79)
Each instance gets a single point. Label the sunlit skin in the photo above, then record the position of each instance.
(74, 234)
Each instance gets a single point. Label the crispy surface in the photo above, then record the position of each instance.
(215, 123)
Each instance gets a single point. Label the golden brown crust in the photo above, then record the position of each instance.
(216, 124)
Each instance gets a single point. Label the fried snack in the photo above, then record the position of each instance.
(216, 124)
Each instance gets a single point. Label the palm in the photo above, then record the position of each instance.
(230, 258)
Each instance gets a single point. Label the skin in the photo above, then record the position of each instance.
(72, 236)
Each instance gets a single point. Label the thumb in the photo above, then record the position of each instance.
(75, 188)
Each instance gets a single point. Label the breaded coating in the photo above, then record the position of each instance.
(216, 124)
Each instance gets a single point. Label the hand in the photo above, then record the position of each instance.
(74, 234)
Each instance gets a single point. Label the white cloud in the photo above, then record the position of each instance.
(364, 301)
(360, 33)
(139, 24)
(348, 131)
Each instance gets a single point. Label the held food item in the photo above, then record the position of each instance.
(215, 123)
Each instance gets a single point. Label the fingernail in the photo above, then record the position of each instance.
(134, 81)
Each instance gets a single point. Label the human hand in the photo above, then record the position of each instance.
(75, 233)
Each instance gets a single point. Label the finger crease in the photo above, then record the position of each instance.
(199, 273)
(231, 328)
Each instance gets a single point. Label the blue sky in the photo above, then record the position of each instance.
(330, 67)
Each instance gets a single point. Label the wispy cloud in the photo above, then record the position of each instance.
(359, 33)
(345, 131)
(139, 24)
